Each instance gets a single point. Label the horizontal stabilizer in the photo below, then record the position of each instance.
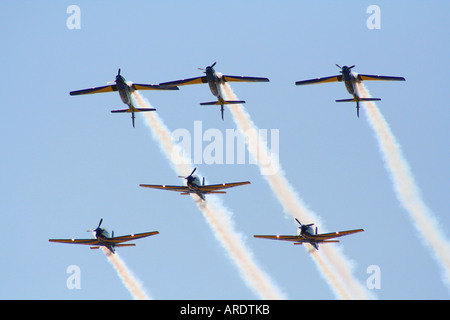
(135, 110)
(121, 111)
(360, 99)
(210, 103)
(144, 110)
(95, 247)
(234, 102)
(346, 100)
(218, 103)
(369, 99)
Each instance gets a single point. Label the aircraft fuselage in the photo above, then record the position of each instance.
(124, 91)
(213, 81)
(102, 236)
(306, 232)
(193, 183)
(350, 81)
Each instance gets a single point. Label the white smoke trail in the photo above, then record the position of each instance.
(130, 282)
(330, 260)
(216, 215)
(406, 189)
(219, 219)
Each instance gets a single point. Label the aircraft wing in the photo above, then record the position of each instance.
(243, 79)
(108, 88)
(320, 80)
(279, 237)
(131, 237)
(215, 187)
(138, 86)
(373, 77)
(76, 241)
(332, 235)
(165, 187)
(182, 82)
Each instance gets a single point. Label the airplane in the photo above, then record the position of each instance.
(351, 79)
(125, 91)
(214, 81)
(306, 234)
(102, 239)
(193, 185)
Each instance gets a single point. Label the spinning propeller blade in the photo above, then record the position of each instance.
(188, 175)
(305, 225)
(98, 227)
(345, 67)
(211, 66)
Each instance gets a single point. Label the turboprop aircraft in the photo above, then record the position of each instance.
(193, 185)
(102, 239)
(125, 90)
(214, 81)
(351, 79)
(307, 234)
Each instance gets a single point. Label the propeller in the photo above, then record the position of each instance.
(306, 225)
(188, 175)
(303, 227)
(345, 67)
(118, 75)
(211, 66)
(98, 227)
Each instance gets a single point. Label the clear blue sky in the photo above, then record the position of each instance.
(67, 161)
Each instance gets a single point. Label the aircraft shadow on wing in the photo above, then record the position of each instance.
(214, 81)
(103, 239)
(351, 80)
(125, 90)
(193, 185)
(306, 234)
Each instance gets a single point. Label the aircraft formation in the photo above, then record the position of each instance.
(306, 234)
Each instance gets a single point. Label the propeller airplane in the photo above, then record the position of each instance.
(214, 81)
(193, 185)
(306, 234)
(103, 239)
(125, 90)
(351, 80)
